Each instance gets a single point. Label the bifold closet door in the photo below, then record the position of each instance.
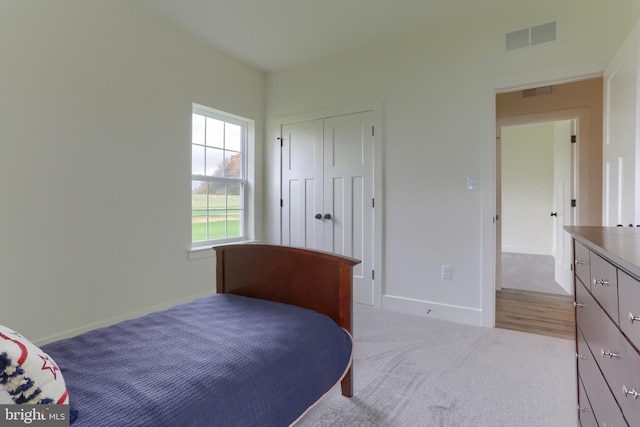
(302, 184)
(327, 189)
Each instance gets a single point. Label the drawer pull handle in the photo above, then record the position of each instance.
(634, 318)
(580, 262)
(608, 353)
(631, 392)
(601, 282)
(577, 304)
(579, 356)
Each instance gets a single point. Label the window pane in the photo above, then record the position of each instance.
(217, 224)
(215, 188)
(215, 164)
(233, 165)
(233, 137)
(217, 211)
(233, 223)
(215, 133)
(197, 126)
(233, 189)
(217, 198)
(198, 211)
(197, 160)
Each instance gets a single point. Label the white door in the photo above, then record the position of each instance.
(302, 184)
(621, 206)
(327, 191)
(564, 160)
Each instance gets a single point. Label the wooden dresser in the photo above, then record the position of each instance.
(607, 301)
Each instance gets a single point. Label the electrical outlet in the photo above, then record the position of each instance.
(447, 271)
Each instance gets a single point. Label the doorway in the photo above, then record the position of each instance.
(538, 187)
(536, 192)
(580, 100)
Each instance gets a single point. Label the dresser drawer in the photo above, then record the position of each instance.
(581, 262)
(606, 344)
(587, 366)
(605, 408)
(585, 413)
(585, 306)
(629, 291)
(628, 379)
(604, 285)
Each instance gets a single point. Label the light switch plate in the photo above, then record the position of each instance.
(472, 183)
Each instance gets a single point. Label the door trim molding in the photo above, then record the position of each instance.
(490, 232)
(376, 108)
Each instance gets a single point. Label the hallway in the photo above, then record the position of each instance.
(531, 300)
(536, 313)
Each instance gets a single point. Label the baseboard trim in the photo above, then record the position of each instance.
(526, 250)
(452, 313)
(113, 320)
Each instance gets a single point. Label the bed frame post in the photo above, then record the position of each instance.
(346, 313)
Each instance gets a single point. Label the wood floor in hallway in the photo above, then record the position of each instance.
(536, 313)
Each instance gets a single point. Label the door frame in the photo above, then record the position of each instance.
(378, 193)
(580, 118)
(581, 115)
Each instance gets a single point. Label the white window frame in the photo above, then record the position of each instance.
(247, 126)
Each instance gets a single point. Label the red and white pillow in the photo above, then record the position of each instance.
(23, 365)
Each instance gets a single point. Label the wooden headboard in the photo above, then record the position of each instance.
(316, 280)
(320, 281)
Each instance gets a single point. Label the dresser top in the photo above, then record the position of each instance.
(621, 245)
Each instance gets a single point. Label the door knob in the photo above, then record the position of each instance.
(318, 216)
(327, 216)
(554, 214)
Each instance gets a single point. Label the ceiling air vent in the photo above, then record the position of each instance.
(532, 36)
(537, 91)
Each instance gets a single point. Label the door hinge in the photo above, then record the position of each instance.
(573, 203)
(373, 203)
(574, 139)
(373, 132)
(281, 203)
(281, 143)
(373, 275)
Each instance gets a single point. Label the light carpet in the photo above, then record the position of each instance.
(529, 272)
(415, 371)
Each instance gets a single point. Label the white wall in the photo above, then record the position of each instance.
(438, 87)
(95, 125)
(527, 188)
(621, 153)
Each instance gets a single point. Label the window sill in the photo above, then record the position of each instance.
(201, 252)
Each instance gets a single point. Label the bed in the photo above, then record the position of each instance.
(272, 341)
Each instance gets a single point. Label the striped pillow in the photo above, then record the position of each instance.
(27, 373)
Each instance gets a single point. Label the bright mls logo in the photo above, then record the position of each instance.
(34, 415)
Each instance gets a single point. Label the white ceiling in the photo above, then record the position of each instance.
(277, 34)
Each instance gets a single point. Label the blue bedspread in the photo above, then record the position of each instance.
(223, 360)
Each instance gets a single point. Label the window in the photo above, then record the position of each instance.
(218, 177)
